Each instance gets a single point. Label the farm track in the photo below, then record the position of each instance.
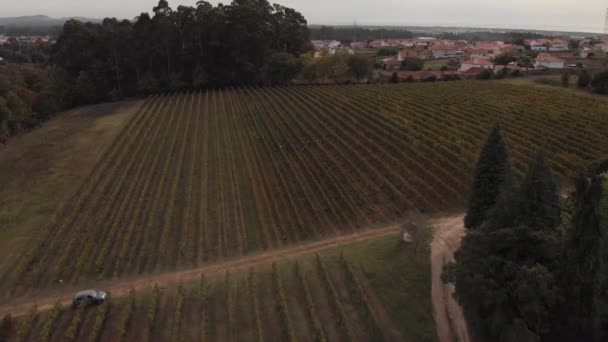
(199, 177)
(120, 288)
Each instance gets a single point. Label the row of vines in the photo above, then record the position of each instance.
(298, 301)
(201, 176)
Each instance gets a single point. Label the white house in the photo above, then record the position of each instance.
(480, 54)
(325, 44)
(559, 45)
(549, 62)
(476, 63)
(442, 51)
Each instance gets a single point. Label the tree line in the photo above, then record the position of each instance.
(249, 42)
(532, 266)
(349, 34)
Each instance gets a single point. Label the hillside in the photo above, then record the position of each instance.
(200, 177)
(38, 21)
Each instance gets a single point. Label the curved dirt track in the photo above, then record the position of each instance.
(449, 319)
(121, 287)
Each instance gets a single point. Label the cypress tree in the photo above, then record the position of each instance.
(582, 267)
(394, 78)
(491, 172)
(516, 245)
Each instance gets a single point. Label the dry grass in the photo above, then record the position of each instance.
(41, 169)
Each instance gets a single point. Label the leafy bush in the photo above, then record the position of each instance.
(599, 83)
(584, 78)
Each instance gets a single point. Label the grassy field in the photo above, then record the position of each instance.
(195, 178)
(435, 64)
(43, 168)
(376, 290)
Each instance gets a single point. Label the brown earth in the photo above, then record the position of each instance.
(119, 288)
(449, 319)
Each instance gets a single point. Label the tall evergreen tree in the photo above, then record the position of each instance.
(583, 257)
(505, 271)
(491, 172)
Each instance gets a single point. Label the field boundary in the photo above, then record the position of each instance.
(122, 287)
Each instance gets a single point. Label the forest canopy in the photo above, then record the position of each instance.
(249, 42)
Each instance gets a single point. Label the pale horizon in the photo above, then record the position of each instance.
(553, 15)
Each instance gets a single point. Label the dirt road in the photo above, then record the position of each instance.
(451, 326)
(121, 287)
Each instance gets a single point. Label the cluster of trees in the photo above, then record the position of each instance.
(15, 52)
(246, 42)
(28, 96)
(348, 34)
(338, 68)
(511, 37)
(531, 268)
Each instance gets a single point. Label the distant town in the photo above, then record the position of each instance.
(468, 59)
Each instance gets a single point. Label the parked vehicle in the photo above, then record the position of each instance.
(89, 296)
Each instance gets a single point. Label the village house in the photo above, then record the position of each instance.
(559, 45)
(443, 51)
(497, 47)
(391, 64)
(603, 47)
(547, 44)
(545, 60)
(425, 54)
(358, 45)
(585, 52)
(325, 44)
(476, 63)
(480, 54)
(403, 54)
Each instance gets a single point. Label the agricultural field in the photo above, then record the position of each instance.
(198, 177)
(44, 167)
(351, 293)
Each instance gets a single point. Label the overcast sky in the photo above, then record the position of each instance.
(550, 14)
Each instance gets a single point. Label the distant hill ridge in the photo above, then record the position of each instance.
(39, 20)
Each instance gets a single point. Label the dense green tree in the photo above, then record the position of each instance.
(148, 84)
(505, 270)
(583, 78)
(505, 58)
(245, 42)
(485, 74)
(412, 64)
(20, 111)
(394, 78)
(84, 91)
(359, 66)
(491, 172)
(5, 117)
(565, 79)
(584, 258)
(281, 68)
(599, 83)
(386, 52)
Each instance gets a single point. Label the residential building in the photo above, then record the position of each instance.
(325, 44)
(559, 45)
(358, 45)
(549, 62)
(476, 63)
(443, 51)
(480, 54)
(391, 64)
